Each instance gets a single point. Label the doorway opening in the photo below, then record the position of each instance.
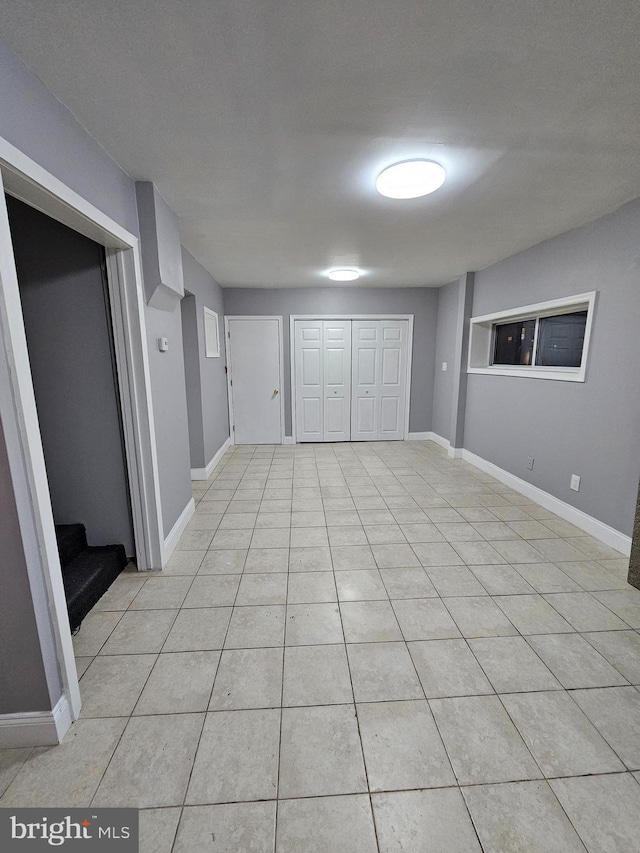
(24, 179)
(69, 333)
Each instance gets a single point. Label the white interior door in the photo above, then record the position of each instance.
(322, 352)
(366, 369)
(337, 380)
(309, 388)
(379, 380)
(255, 368)
(392, 388)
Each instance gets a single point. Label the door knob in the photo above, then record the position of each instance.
(275, 391)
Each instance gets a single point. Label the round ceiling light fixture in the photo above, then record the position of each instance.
(343, 275)
(410, 179)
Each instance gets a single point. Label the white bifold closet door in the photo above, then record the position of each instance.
(379, 379)
(323, 380)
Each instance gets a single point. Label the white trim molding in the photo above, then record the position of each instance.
(36, 728)
(207, 471)
(177, 530)
(609, 535)
(452, 452)
(288, 439)
(438, 439)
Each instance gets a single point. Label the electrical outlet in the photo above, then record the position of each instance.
(444, 366)
(575, 482)
(530, 462)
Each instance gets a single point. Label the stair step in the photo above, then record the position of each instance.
(72, 540)
(88, 576)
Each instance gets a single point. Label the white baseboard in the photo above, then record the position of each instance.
(205, 473)
(288, 439)
(452, 452)
(177, 530)
(36, 728)
(438, 439)
(598, 529)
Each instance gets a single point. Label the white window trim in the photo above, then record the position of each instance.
(481, 339)
(211, 348)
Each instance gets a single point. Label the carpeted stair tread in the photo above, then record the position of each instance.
(72, 540)
(88, 576)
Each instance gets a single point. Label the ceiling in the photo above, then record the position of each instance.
(265, 122)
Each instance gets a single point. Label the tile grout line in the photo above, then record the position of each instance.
(284, 644)
(335, 457)
(204, 721)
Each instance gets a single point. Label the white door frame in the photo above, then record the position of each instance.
(292, 357)
(23, 178)
(227, 351)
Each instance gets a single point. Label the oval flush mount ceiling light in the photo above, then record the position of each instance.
(343, 275)
(410, 179)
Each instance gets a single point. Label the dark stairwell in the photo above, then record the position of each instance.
(87, 571)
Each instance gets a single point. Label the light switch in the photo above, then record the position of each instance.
(444, 365)
(163, 344)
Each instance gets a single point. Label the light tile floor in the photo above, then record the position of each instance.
(360, 647)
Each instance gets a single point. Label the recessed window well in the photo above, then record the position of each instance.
(545, 341)
(410, 179)
(343, 275)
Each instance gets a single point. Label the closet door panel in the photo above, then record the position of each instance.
(309, 394)
(365, 380)
(392, 389)
(365, 419)
(337, 380)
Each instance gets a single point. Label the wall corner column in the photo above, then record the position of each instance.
(459, 397)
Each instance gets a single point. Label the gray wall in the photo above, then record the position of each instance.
(34, 121)
(192, 379)
(591, 428)
(41, 127)
(445, 351)
(170, 412)
(68, 336)
(634, 560)
(420, 301)
(23, 684)
(160, 246)
(206, 378)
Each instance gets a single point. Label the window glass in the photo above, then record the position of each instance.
(561, 339)
(514, 342)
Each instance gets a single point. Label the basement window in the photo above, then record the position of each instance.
(549, 340)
